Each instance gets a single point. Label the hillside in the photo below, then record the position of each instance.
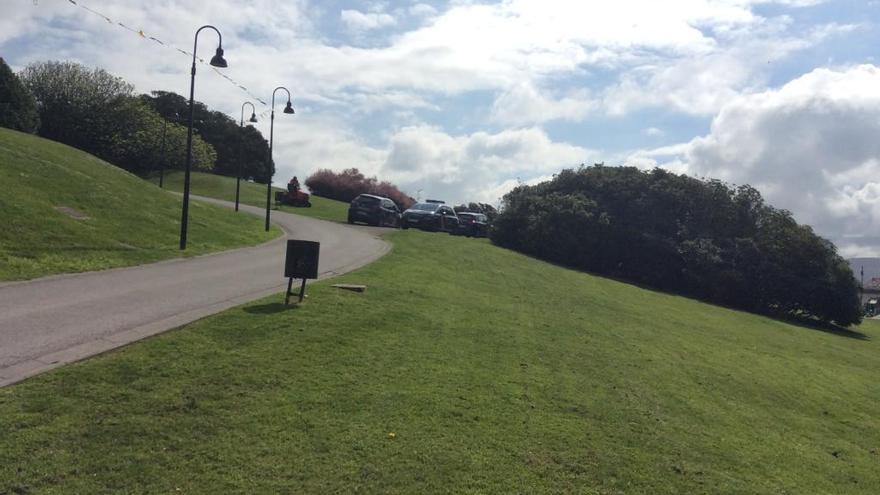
(464, 368)
(64, 210)
(254, 194)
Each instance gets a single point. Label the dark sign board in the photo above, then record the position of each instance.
(301, 262)
(302, 259)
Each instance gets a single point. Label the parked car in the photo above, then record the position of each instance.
(374, 210)
(472, 225)
(430, 216)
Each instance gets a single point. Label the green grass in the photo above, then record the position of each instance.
(129, 221)
(222, 187)
(497, 373)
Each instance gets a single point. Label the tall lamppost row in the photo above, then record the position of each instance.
(217, 61)
(287, 109)
(253, 119)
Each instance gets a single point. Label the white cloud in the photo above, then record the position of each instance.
(479, 166)
(476, 166)
(671, 44)
(810, 147)
(364, 21)
(470, 167)
(422, 10)
(524, 104)
(703, 83)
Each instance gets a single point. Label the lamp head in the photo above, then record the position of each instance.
(253, 118)
(289, 107)
(217, 60)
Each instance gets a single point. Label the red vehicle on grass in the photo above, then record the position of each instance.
(294, 196)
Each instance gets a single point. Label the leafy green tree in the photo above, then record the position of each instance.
(135, 142)
(71, 98)
(95, 111)
(678, 233)
(237, 147)
(18, 108)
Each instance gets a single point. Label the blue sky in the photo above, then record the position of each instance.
(464, 99)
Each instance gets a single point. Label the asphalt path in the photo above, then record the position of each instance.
(51, 321)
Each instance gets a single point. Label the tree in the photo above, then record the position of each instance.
(235, 146)
(346, 185)
(95, 111)
(697, 237)
(18, 108)
(134, 140)
(70, 99)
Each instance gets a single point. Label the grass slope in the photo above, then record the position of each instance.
(130, 222)
(222, 187)
(495, 372)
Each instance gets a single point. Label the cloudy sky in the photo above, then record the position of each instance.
(461, 100)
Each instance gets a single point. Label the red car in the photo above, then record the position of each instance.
(472, 225)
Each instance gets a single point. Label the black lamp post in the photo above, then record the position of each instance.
(217, 61)
(287, 109)
(253, 119)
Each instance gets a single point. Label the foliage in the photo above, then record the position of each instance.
(140, 133)
(130, 222)
(235, 145)
(18, 108)
(346, 185)
(498, 374)
(71, 97)
(95, 111)
(698, 237)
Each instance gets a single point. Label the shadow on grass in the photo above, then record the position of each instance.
(271, 308)
(831, 328)
(797, 320)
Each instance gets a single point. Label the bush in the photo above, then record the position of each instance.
(346, 185)
(134, 140)
(238, 149)
(96, 111)
(18, 108)
(698, 237)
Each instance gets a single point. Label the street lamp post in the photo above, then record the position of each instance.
(253, 119)
(217, 61)
(287, 109)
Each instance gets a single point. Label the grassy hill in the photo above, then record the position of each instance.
(464, 368)
(64, 210)
(221, 187)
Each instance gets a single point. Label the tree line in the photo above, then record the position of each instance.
(701, 238)
(98, 112)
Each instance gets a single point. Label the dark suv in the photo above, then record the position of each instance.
(430, 216)
(374, 210)
(472, 225)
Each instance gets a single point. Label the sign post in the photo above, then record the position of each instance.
(301, 261)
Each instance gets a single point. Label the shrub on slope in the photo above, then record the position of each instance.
(678, 233)
(345, 185)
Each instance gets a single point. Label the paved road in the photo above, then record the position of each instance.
(60, 319)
